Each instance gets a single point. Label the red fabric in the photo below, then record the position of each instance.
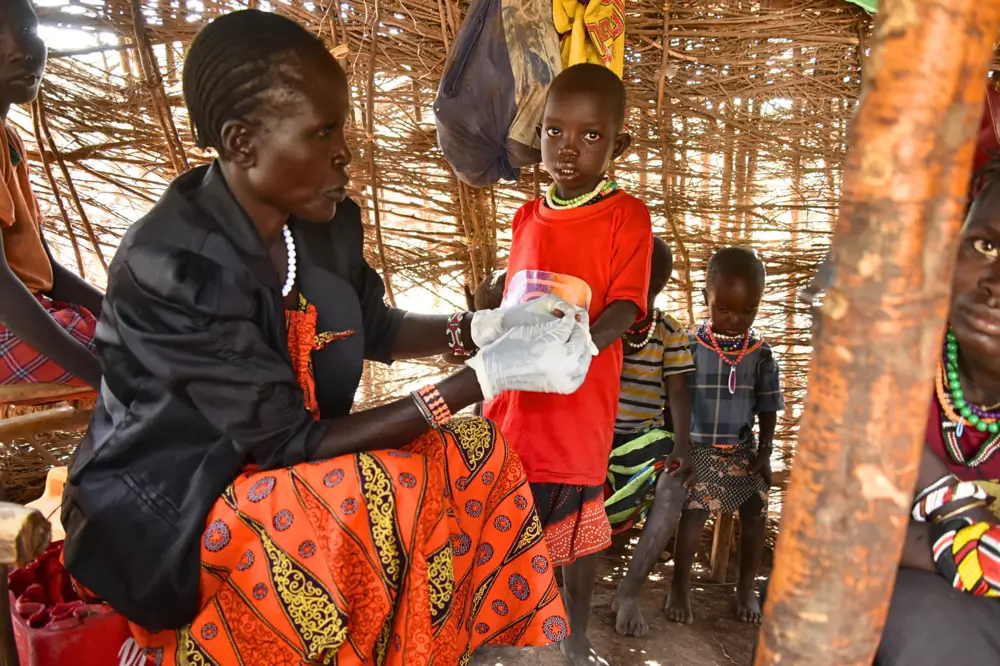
(970, 442)
(22, 364)
(608, 245)
(53, 625)
(43, 591)
(574, 520)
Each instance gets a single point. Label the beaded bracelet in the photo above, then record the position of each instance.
(967, 554)
(431, 405)
(454, 333)
(937, 520)
(938, 498)
(946, 480)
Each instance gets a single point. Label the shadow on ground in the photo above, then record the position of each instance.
(715, 639)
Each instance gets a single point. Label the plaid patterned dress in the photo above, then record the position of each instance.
(722, 441)
(20, 363)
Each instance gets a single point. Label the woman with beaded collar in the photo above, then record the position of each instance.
(944, 608)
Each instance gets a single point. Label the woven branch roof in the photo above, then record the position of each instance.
(739, 128)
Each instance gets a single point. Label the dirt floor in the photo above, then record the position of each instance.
(715, 639)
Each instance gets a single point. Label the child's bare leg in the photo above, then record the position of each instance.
(579, 579)
(753, 524)
(660, 525)
(688, 537)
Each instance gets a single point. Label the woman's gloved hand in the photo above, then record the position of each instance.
(489, 325)
(549, 358)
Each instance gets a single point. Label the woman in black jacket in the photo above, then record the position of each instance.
(225, 499)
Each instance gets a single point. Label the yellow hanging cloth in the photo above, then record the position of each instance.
(591, 31)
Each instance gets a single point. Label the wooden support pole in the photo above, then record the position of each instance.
(68, 180)
(665, 136)
(371, 146)
(882, 324)
(47, 167)
(153, 80)
(722, 541)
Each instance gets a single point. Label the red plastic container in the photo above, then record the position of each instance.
(54, 627)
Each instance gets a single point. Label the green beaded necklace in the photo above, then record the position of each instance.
(981, 420)
(604, 188)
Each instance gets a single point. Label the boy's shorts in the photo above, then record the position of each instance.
(574, 520)
(635, 465)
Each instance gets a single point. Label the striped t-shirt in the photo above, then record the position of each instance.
(643, 397)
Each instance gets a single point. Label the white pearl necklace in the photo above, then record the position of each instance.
(290, 251)
(649, 334)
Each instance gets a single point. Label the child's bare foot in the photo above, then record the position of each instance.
(629, 620)
(747, 605)
(579, 652)
(678, 608)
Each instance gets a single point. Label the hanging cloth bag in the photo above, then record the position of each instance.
(492, 93)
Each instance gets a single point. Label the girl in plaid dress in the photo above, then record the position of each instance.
(735, 383)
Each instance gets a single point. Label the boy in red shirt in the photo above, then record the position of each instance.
(590, 244)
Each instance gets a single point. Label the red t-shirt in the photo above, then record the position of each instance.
(591, 257)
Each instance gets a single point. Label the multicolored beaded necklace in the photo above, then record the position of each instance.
(603, 189)
(958, 413)
(649, 329)
(726, 346)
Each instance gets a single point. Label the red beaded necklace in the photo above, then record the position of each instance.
(644, 329)
(722, 355)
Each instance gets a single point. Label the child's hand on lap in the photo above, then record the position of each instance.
(679, 464)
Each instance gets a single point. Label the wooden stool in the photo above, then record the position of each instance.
(722, 537)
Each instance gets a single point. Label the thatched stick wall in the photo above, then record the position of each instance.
(739, 115)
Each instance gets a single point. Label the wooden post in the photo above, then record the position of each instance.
(882, 325)
(152, 78)
(722, 543)
(24, 535)
(371, 146)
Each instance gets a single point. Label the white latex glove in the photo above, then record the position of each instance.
(551, 358)
(488, 325)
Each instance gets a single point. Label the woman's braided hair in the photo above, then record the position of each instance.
(235, 62)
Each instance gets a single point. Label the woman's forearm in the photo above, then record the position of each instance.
(420, 336)
(394, 425)
(25, 317)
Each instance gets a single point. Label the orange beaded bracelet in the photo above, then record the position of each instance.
(431, 405)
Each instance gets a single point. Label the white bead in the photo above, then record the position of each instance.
(290, 251)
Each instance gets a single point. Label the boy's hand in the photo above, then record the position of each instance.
(762, 465)
(679, 464)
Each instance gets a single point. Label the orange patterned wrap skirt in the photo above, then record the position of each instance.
(409, 557)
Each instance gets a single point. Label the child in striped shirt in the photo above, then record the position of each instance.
(651, 437)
